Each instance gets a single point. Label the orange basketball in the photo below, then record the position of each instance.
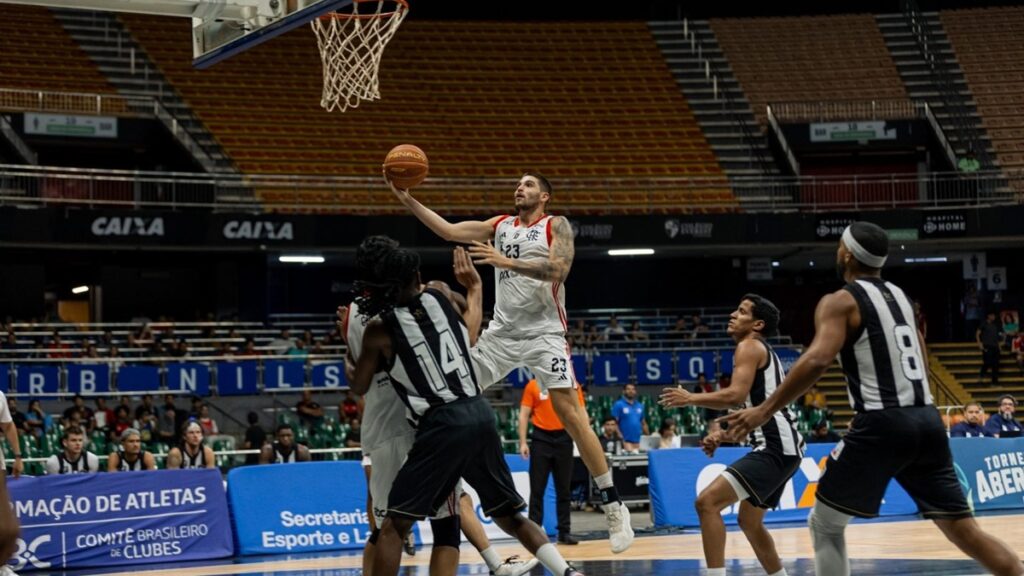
(406, 166)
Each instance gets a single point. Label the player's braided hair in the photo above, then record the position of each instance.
(384, 270)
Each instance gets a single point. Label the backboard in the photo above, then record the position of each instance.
(220, 28)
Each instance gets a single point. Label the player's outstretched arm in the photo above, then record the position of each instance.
(464, 232)
(467, 275)
(831, 320)
(554, 269)
(750, 355)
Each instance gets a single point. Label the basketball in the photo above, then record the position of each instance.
(406, 166)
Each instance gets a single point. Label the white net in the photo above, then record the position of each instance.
(351, 45)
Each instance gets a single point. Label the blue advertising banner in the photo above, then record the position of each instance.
(610, 370)
(109, 520)
(328, 513)
(236, 378)
(693, 363)
(284, 375)
(678, 476)
(88, 378)
(991, 471)
(579, 368)
(138, 379)
(329, 375)
(190, 377)
(37, 380)
(5, 378)
(654, 369)
(519, 377)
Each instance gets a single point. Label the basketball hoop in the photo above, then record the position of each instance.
(351, 44)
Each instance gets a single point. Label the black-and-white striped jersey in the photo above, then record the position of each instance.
(779, 434)
(884, 364)
(281, 456)
(431, 364)
(125, 466)
(190, 461)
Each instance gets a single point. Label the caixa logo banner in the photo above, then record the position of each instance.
(678, 476)
(84, 520)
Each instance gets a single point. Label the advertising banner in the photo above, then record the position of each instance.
(106, 520)
(991, 471)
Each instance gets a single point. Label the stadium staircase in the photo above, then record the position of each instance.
(931, 73)
(703, 74)
(128, 68)
(963, 362)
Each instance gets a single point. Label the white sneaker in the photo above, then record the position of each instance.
(513, 566)
(620, 533)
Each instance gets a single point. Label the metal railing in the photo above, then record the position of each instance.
(57, 186)
(847, 111)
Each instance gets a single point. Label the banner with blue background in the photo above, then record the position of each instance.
(991, 471)
(678, 476)
(104, 520)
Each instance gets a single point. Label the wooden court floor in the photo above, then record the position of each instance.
(904, 548)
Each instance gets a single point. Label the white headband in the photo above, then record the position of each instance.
(861, 253)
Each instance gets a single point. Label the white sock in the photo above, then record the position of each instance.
(491, 558)
(715, 572)
(550, 557)
(604, 480)
(781, 572)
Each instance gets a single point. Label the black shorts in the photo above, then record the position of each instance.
(457, 440)
(908, 444)
(764, 475)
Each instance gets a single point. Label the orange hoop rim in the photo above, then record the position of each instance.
(342, 16)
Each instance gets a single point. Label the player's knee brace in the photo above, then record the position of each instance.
(446, 531)
(827, 521)
(373, 536)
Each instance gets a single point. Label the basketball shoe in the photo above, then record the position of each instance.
(513, 566)
(620, 533)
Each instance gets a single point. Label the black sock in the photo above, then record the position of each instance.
(609, 495)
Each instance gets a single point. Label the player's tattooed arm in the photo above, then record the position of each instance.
(554, 269)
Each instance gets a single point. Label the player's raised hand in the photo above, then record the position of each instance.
(741, 422)
(487, 254)
(711, 443)
(402, 194)
(340, 323)
(675, 397)
(465, 272)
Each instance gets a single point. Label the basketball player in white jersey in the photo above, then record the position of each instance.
(74, 459)
(131, 457)
(758, 479)
(192, 453)
(388, 436)
(896, 433)
(532, 253)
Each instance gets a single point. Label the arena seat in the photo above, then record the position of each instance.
(989, 45)
(808, 59)
(573, 100)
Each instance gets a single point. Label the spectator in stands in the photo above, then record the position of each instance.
(351, 407)
(192, 453)
(1017, 348)
(132, 346)
(724, 380)
(680, 330)
(298, 351)
(90, 351)
(921, 319)
(699, 329)
(821, 433)
(702, 386)
(167, 425)
(594, 336)
(284, 450)
(85, 413)
(209, 425)
(17, 417)
(969, 164)
(107, 340)
(115, 365)
(182, 350)
(590, 348)
(250, 348)
(255, 438)
(630, 414)
(989, 338)
(310, 413)
(180, 416)
(971, 427)
(281, 344)
(667, 431)
(610, 438)
(35, 419)
(10, 432)
(814, 399)
(307, 338)
(636, 334)
(74, 459)
(1002, 424)
(197, 408)
(972, 307)
(122, 420)
(103, 416)
(614, 331)
(131, 456)
(12, 342)
(579, 331)
(58, 348)
(354, 438)
(146, 406)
